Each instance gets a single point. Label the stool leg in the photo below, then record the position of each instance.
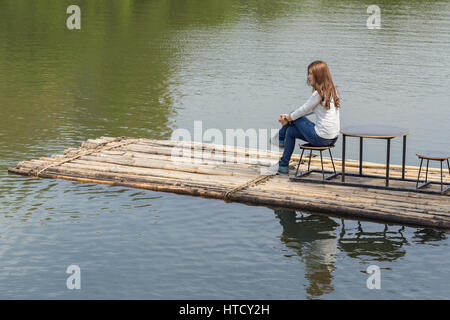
(332, 162)
(426, 173)
(360, 155)
(388, 155)
(343, 158)
(441, 174)
(448, 166)
(321, 161)
(420, 168)
(300, 161)
(309, 162)
(404, 157)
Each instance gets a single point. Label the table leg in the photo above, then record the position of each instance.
(360, 155)
(343, 157)
(404, 157)
(388, 155)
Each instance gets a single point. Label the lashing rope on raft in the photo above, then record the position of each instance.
(255, 181)
(100, 147)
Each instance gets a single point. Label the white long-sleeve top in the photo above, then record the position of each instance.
(327, 124)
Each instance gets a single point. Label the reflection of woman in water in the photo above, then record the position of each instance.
(324, 103)
(314, 239)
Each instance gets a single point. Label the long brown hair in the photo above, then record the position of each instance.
(323, 83)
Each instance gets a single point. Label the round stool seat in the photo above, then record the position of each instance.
(308, 146)
(434, 155)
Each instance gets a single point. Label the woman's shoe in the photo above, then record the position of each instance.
(283, 170)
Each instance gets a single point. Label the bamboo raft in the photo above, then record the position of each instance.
(237, 174)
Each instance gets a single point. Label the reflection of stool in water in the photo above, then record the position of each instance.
(432, 155)
(311, 148)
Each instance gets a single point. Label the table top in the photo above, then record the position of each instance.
(434, 155)
(374, 131)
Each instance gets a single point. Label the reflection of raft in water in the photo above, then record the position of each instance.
(234, 173)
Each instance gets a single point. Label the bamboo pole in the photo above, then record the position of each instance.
(83, 167)
(166, 165)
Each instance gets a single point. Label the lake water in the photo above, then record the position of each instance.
(146, 68)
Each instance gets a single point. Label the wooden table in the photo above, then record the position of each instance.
(374, 132)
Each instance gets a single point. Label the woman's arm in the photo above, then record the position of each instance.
(307, 107)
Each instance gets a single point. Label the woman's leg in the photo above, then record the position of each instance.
(306, 127)
(303, 129)
(282, 132)
(292, 133)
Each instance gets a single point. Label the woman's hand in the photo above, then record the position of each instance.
(288, 117)
(284, 119)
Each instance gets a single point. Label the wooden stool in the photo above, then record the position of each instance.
(433, 155)
(311, 148)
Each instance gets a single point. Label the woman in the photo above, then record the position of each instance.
(324, 102)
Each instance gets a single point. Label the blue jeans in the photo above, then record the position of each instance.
(303, 129)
